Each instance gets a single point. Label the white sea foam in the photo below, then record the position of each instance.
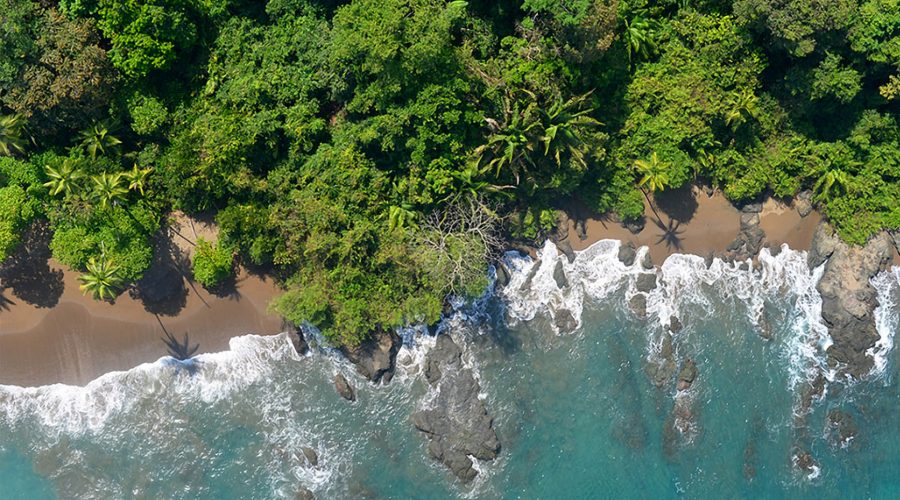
(887, 317)
(684, 283)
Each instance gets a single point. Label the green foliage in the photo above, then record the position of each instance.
(835, 80)
(213, 263)
(796, 25)
(148, 114)
(102, 280)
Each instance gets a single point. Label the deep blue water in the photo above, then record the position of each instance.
(577, 412)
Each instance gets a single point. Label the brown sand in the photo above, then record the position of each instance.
(690, 221)
(79, 339)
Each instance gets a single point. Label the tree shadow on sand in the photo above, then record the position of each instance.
(162, 289)
(671, 234)
(27, 271)
(679, 204)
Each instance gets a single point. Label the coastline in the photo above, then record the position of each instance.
(78, 339)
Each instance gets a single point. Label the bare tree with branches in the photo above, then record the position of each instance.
(458, 242)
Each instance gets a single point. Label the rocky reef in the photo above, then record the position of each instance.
(375, 357)
(848, 299)
(456, 421)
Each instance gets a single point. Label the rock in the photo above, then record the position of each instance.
(581, 229)
(709, 191)
(634, 225)
(456, 422)
(295, 335)
(687, 375)
(675, 325)
(562, 226)
(748, 220)
(502, 275)
(813, 391)
(895, 235)
(803, 203)
(565, 322)
(803, 461)
(841, 427)
(565, 248)
(627, 253)
(662, 368)
(825, 242)
(344, 388)
(848, 299)
(303, 494)
(374, 357)
(752, 208)
(559, 276)
(526, 285)
(311, 456)
(645, 282)
(638, 305)
(646, 262)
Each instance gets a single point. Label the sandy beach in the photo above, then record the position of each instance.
(51, 333)
(691, 221)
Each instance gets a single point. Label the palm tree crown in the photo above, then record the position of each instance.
(108, 188)
(566, 124)
(102, 279)
(137, 178)
(654, 173)
(63, 179)
(11, 130)
(98, 140)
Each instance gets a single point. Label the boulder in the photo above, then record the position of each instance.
(303, 494)
(752, 208)
(344, 388)
(675, 325)
(895, 235)
(638, 305)
(841, 427)
(804, 461)
(627, 253)
(803, 203)
(295, 335)
(565, 321)
(559, 275)
(311, 456)
(661, 368)
(635, 226)
(747, 220)
(581, 229)
(531, 274)
(646, 261)
(848, 299)
(565, 248)
(374, 357)
(687, 375)
(502, 275)
(645, 282)
(456, 421)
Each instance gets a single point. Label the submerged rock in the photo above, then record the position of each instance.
(842, 428)
(661, 369)
(565, 321)
(687, 375)
(374, 357)
(559, 275)
(803, 461)
(456, 422)
(311, 456)
(848, 299)
(627, 253)
(344, 388)
(304, 494)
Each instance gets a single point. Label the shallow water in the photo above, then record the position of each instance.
(576, 412)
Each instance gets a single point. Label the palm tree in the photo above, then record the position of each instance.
(108, 188)
(833, 181)
(63, 179)
(11, 130)
(102, 279)
(137, 178)
(512, 142)
(654, 177)
(566, 125)
(98, 139)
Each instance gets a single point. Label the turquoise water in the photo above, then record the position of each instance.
(576, 412)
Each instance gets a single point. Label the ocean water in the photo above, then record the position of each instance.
(577, 412)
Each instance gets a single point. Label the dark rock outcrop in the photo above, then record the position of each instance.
(627, 253)
(687, 375)
(645, 282)
(895, 235)
(638, 305)
(635, 225)
(374, 358)
(647, 262)
(456, 423)
(660, 369)
(559, 275)
(565, 248)
(344, 388)
(565, 321)
(848, 300)
(581, 229)
(295, 335)
(675, 325)
(803, 203)
(749, 240)
(842, 428)
(502, 275)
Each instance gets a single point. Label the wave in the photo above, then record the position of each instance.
(887, 317)
(686, 285)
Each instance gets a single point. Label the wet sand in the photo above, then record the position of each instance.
(690, 221)
(72, 339)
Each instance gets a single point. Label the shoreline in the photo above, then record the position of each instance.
(77, 339)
